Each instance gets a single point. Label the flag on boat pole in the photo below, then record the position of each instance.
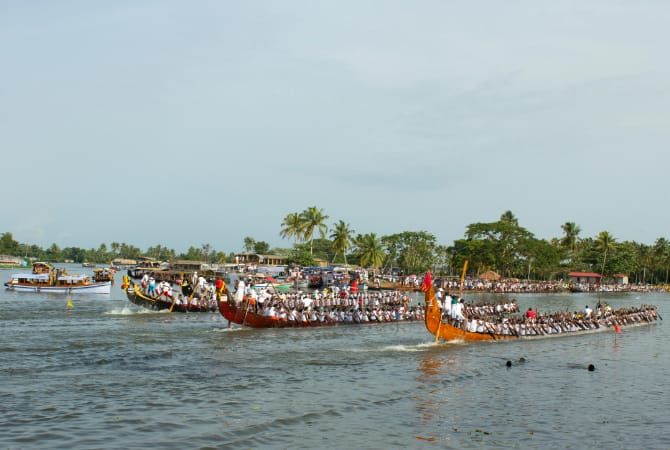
(427, 282)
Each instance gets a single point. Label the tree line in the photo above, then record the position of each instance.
(503, 246)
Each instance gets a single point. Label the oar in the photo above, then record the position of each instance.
(174, 300)
(174, 297)
(190, 297)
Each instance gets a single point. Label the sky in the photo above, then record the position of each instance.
(183, 123)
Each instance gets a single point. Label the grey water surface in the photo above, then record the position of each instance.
(105, 374)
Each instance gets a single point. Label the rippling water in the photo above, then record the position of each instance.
(104, 374)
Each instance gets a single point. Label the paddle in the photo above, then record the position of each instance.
(190, 297)
(174, 300)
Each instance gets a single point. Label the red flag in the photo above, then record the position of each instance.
(617, 329)
(427, 282)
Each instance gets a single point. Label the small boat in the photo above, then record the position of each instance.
(140, 298)
(87, 264)
(103, 274)
(45, 278)
(502, 328)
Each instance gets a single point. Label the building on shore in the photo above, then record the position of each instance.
(7, 260)
(256, 259)
(584, 278)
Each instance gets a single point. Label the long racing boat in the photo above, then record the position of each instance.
(502, 327)
(244, 313)
(176, 303)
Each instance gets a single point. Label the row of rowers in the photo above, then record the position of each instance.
(552, 323)
(456, 308)
(305, 300)
(306, 313)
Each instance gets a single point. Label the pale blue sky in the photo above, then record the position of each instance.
(188, 122)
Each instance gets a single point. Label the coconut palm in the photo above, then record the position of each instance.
(662, 255)
(370, 250)
(605, 242)
(645, 258)
(312, 219)
(342, 237)
(291, 227)
(249, 244)
(571, 237)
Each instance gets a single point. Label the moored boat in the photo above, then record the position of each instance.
(103, 274)
(48, 279)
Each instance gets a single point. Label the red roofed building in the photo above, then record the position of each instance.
(620, 279)
(584, 277)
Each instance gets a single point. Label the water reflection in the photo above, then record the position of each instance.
(434, 369)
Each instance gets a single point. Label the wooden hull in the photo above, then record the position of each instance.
(448, 332)
(244, 317)
(137, 297)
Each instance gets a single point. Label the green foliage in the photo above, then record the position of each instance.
(343, 239)
(413, 251)
(8, 246)
(292, 227)
(312, 220)
(370, 250)
(501, 242)
(249, 243)
(193, 254)
(301, 256)
(318, 249)
(261, 247)
(160, 253)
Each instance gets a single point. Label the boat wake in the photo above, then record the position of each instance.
(126, 311)
(228, 330)
(399, 348)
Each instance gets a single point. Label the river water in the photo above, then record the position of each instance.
(105, 374)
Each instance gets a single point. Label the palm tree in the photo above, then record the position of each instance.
(662, 253)
(249, 244)
(312, 219)
(206, 248)
(342, 237)
(291, 227)
(370, 250)
(605, 242)
(570, 239)
(115, 248)
(644, 258)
